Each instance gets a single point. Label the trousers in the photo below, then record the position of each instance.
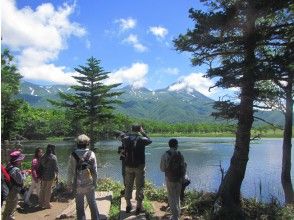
(135, 174)
(173, 193)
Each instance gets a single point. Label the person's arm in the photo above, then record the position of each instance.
(71, 171)
(35, 165)
(163, 163)
(184, 166)
(17, 176)
(55, 166)
(94, 169)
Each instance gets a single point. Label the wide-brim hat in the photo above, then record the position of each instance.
(16, 156)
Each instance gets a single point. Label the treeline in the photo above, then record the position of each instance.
(37, 123)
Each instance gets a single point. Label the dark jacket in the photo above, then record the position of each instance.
(138, 152)
(49, 167)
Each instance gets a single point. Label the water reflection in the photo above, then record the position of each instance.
(203, 156)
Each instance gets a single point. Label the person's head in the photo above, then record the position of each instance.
(83, 141)
(136, 128)
(16, 157)
(173, 143)
(38, 152)
(50, 149)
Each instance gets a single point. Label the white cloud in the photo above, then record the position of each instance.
(196, 82)
(158, 31)
(134, 75)
(132, 39)
(39, 36)
(193, 82)
(126, 24)
(171, 70)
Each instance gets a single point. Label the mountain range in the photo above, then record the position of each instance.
(162, 105)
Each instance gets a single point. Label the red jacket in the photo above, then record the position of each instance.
(5, 173)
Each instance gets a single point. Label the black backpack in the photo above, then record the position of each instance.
(130, 147)
(175, 168)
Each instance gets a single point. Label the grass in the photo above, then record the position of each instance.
(263, 134)
(115, 187)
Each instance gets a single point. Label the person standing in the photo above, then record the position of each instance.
(82, 177)
(16, 184)
(36, 179)
(121, 151)
(48, 172)
(173, 165)
(134, 145)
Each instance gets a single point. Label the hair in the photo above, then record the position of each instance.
(50, 149)
(37, 150)
(83, 141)
(136, 128)
(173, 143)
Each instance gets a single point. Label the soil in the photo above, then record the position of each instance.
(161, 212)
(28, 213)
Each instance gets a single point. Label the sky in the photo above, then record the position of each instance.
(132, 39)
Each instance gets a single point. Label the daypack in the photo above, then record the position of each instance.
(175, 168)
(83, 178)
(5, 181)
(130, 144)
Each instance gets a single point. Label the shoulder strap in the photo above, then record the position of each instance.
(75, 156)
(88, 155)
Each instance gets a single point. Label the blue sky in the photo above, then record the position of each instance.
(133, 40)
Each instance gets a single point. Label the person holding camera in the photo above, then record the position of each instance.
(121, 151)
(134, 147)
(173, 165)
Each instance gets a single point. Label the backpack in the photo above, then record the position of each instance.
(175, 169)
(5, 182)
(83, 178)
(130, 144)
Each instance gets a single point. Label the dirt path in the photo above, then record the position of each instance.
(161, 212)
(37, 214)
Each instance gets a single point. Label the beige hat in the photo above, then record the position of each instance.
(83, 139)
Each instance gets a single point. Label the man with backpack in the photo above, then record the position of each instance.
(82, 177)
(134, 147)
(173, 165)
(15, 184)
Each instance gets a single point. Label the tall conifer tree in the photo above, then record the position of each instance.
(228, 37)
(93, 102)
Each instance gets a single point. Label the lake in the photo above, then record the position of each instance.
(203, 156)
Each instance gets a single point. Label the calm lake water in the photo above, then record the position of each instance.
(202, 155)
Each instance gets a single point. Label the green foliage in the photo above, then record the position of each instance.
(10, 78)
(36, 123)
(93, 102)
(115, 187)
(155, 194)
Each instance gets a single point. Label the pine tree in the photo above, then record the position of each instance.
(10, 78)
(229, 38)
(92, 104)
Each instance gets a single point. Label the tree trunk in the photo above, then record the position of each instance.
(287, 145)
(229, 191)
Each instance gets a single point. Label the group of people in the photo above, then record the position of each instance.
(44, 171)
(82, 174)
(132, 155)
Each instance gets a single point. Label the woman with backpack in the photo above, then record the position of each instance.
(48, 171)
(82, 177)
(36, 179)
(15, 184)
